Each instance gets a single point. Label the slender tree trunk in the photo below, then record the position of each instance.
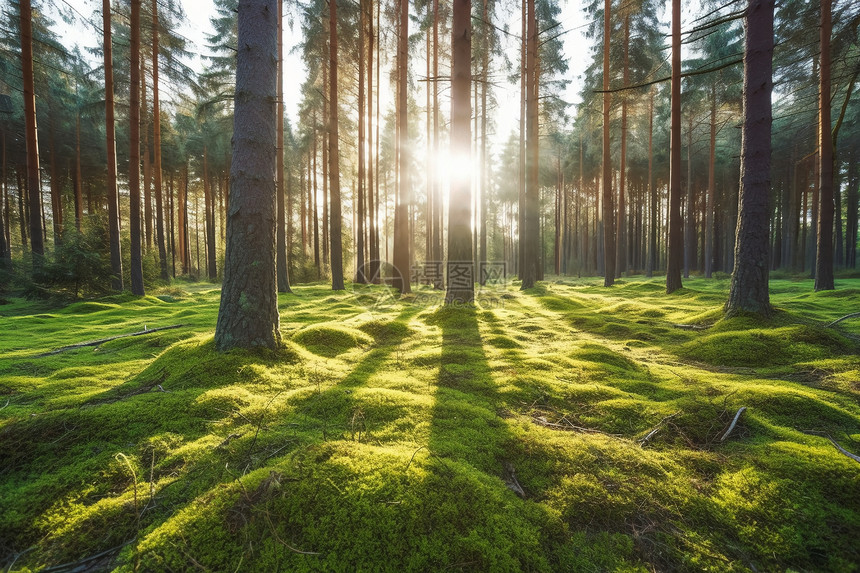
(521, 171)
(5, 245)
(34, 185)
(147, 163)
(404, 193)
(361, 211)
(134, 154)
(110, 131)
(248, 315)
(852, 200)
(281, 259)
(749, 286)
(652, 190)
(485, 174)
(621, 256)
(531, 235)
(690, 206)
(56, 195)
(156, 150)
(676, 223)
(609, 249)
(460, 271)
(824, 246)
(712, 187)
(335, 224)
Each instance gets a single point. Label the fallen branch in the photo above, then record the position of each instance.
(511, 480)
(832, 441)
(741, 410)
(838, 320)
(657, 428)
(103, 340)
(76, 566)
(542, 421)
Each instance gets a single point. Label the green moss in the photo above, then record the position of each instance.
(387, 440)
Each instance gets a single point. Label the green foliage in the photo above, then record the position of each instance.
(389, 440)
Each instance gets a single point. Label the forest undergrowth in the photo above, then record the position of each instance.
(569, 427)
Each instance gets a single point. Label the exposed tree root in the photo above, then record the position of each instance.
(832, 441)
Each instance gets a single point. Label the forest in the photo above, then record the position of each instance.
(454, 285)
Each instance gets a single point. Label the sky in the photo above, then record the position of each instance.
(196, 26)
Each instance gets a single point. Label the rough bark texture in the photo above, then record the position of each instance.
(401, 280)
(460, 205)
(34, 186)
(248, 315)
(134, 154)
(749, 286)
(608, 221)
(824, 245)
(335, 224)
(283, 268)
(621, 262)
(675, 254)
(361, 211)
(652, 231)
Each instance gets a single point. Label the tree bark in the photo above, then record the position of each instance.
(283, 269)
(156, 150)
(712, 188)
(652, 189)
(335, 225)
(824, 245)
(402, 278)
(749, 285)
(361, 210)
(248, 314)
(134, 154)
(34, 185)
(608, 210)
(461, 289)
(676, 224)
(621, 252)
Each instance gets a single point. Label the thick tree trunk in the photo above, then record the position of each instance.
(609, 252)
(460, 271)
(34, 185)
(156, 150)
(134, 154)
(283, 269)
(335, 225)
(521, 211)
(676, 224)
(749, 286)
(248, 315)
(824, 245)
(402, 241)
(147, 164)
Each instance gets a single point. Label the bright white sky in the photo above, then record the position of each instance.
(197, 25)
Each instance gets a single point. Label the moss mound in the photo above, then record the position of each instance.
(331, 340)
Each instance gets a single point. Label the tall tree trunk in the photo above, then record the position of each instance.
(852, 201)
(56, 187)
(824, 246)
(110, 137)
(404, 192)
(521, 171)
(690, 204)
(34, 185)
(248, 315)
(485, 176)
(621, 261)
(156, 150)
(147, 163)
(335, 224)
(531, 233)
(676, 224)
(79, 197)
(281, 259)
(375, 250)
(460, 271)
(134, 153)
(5, 244)
(209, 208)
(749, 285)
(608, 222)
(712, 187)
(652, 190)
(361, 211)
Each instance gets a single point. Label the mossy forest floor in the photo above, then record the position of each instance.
(392, 434)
